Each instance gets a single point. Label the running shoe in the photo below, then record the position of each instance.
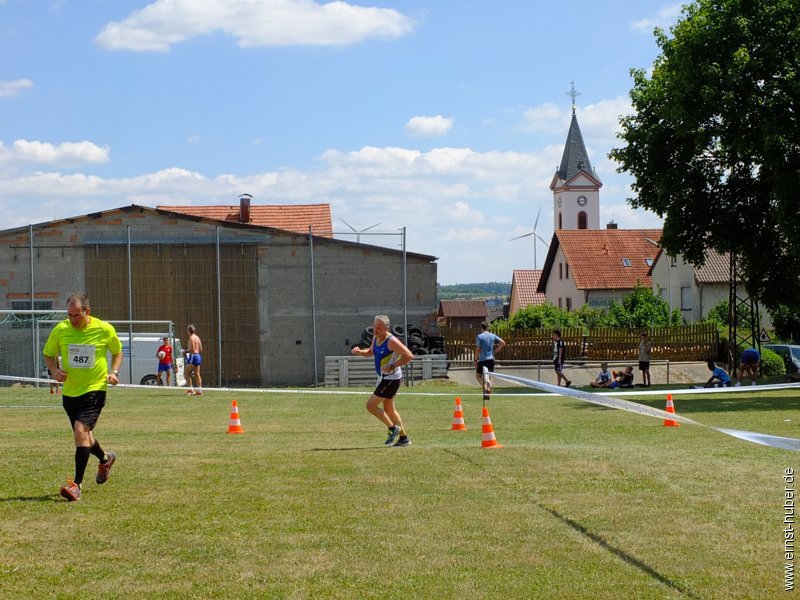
(403, 441)
(393, 433)
(71, 491)
(569, 383)
(103, 469)
(190, 392)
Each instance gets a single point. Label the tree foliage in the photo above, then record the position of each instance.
(640, 308)
(714, 140)
(787, 324)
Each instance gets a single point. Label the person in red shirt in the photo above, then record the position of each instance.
(165, 363)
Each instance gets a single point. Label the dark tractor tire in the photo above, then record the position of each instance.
(149, 380)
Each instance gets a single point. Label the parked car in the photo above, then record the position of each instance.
(790, 355)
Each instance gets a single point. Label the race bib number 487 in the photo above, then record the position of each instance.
(81, 356)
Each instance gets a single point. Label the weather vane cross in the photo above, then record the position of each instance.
(573, 93)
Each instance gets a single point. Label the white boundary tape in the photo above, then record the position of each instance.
(611, 402)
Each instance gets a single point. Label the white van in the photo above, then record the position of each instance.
(140, 366)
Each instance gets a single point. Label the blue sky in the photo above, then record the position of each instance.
(444, 117)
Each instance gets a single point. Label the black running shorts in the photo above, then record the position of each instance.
(489, 364)
(387, 388)
(85, 408)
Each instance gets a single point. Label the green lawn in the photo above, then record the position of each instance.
(582, 502)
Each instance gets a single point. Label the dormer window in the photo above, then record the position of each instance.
(626, 262)
(648, 262)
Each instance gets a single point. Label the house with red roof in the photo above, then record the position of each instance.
(595, 267)
(524, 284)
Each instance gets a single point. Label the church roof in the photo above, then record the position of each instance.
(575, 157)
(604, 259)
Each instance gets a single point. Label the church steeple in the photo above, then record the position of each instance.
(575, 157)
(575, 184)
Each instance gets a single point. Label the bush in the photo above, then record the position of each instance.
(771, 363)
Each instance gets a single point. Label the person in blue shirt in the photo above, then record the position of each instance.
(749, 365)
(718, 376)
(486, 344)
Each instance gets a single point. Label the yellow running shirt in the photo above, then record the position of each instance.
(83, 354)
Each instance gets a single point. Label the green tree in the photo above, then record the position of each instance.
(642, 308)
(787, 323)
(543, 316)
(714, 139)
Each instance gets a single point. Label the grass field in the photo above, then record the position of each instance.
(582, 502)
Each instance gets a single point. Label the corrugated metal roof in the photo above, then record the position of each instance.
(463, 308)
(523, 284)
(288, 217)
(595, 257)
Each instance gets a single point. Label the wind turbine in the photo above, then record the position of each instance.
(536, 236)
(356, 231)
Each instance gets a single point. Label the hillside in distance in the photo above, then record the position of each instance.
(492, 290)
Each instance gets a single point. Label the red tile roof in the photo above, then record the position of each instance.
(523, 285)
(463, 308)
(289, 217)
(595, 257)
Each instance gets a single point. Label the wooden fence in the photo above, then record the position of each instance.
(686, 343)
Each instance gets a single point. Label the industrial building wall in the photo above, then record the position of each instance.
(268, 316)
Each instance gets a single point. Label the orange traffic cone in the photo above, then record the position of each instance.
(671, 410)
(458, 417)
(235, 425)
(487, 437)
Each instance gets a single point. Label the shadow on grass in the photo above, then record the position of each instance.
(45, 498)
(628, 558)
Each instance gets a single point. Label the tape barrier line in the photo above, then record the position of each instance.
(773, 441)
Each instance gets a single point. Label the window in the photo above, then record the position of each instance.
(566, 270)
(648, 262)
(686, 298)
(626, 262)
(560, 222)
(559, 303)
(673, 261)
(569, 304)
(582, 220)
(561, 270)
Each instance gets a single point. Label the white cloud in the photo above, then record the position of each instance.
(547, 117)
(429, 126)
(457, 203)
(68, 154)
(665, 18)
(12, 88)
(163, 23)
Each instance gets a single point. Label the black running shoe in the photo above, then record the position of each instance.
(403, 441)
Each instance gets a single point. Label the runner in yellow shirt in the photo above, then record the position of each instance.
(82, 342)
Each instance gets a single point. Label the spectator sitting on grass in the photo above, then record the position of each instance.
(718, 376)
(603, 377)
(622, 379)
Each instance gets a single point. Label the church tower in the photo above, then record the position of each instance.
(575, 185)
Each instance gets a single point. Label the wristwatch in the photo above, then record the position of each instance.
(115, 373)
